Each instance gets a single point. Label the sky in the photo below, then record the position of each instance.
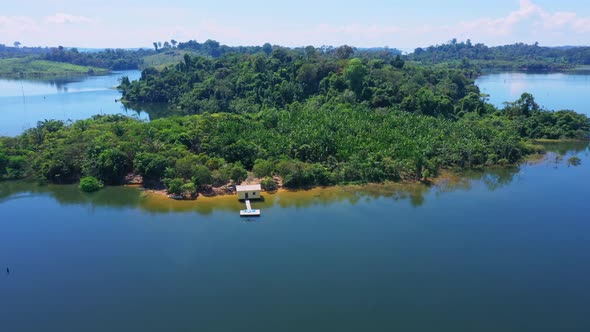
(369, 23)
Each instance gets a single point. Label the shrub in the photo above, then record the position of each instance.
(174, 186)
(263, 168)
(90, 184)
(269, 184)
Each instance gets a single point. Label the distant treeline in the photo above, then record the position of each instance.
(113, 59)
(213, 49)
(455, 54)
(509, 57)
(18, 52)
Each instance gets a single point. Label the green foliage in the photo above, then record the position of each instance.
(269, 184)
(355, 73)
(112, 165)
(3, 163)
(235, 172)
(250, 83)
(202, 176)
(533, 122)
(174, 186)
(14, 162)
(344, 52)
(188, 188)
(150, 165)
(263, 168)
(90, 184)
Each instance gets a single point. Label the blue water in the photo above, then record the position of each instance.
(553, 91)
(25, 102)
(499, 251)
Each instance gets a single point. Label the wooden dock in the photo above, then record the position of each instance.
(249, 212)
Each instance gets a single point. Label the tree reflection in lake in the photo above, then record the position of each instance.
(154, 110)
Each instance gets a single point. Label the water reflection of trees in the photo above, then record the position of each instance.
(154, 110)
(59, 83)
(70, 194)
(492, 178)
(567, 147)
(497, 177)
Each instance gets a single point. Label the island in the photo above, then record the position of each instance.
(292, 118)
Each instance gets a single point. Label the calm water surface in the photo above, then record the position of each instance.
(503, 250)
(554, 91)
(24, 102)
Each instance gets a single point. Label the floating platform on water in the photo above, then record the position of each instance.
(249, 212)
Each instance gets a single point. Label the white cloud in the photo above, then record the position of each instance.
(14, 28)
(535, 20)
(62, 18)
(528, 22)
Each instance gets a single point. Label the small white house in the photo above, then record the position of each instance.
(251, 191)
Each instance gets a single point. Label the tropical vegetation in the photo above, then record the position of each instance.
(303, 118)
(90, 184)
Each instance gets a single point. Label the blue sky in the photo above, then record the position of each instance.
(402, 24)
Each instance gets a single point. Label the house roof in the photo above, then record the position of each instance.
(249, 187)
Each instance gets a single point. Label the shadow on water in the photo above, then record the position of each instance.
(154, 110)
(415, 194)
(70, 194)
(566, 147)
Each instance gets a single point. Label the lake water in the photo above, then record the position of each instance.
(553, 91)
(503, 250)
(24, 102)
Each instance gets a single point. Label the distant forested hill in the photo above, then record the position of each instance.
(114, 59)
(110, 59)
(517, 56)
(241, 83)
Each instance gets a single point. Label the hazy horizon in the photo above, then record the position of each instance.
(378, 23)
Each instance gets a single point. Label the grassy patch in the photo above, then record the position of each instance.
(30, 67)
(165, 58)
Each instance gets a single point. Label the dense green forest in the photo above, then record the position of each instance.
(310, 118)
(508, 57)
